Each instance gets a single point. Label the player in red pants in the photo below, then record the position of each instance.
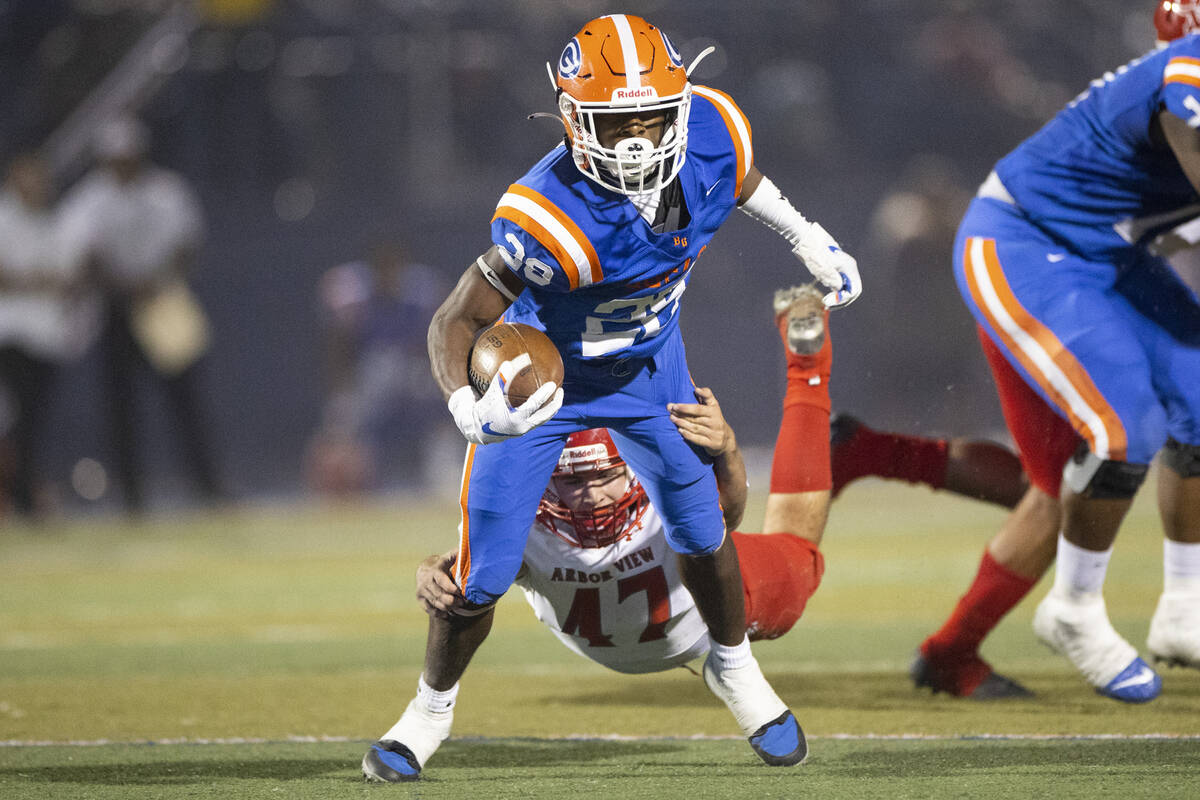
(597, 569)
(973, 468)
(1020, 552)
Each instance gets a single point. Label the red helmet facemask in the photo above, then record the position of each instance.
(1176, 18)
(587, 453)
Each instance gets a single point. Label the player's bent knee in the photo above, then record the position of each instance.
(780, 572)
(1088, 475)
(1183, 459)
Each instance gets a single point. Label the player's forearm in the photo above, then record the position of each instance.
(730, 470)
(450, 339)
(767, 204)
(472, 306)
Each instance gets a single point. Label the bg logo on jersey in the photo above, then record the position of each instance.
(571, 60)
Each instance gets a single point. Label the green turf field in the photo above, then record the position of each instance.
(261, 651)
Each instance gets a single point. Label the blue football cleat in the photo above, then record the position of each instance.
(390, 762)
(1137, 683)
(780, 742)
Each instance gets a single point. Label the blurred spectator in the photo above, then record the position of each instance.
(136, 227)
(381, 409)
(42, 323)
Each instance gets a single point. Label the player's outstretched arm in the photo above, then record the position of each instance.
(704, 425)
(437, 592)
(833, 267)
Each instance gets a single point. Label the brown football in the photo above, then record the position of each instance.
(505, 342)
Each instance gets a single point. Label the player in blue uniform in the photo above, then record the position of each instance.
(1053, 260)
(595, 245)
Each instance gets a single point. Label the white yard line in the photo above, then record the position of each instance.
(615, 737)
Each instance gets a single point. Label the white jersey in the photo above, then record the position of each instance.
(49, 324)
(623, 606)
(134, 228)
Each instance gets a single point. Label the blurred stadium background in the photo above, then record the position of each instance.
(316, 129)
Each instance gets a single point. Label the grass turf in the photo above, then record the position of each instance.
(300, 622)
(651, 769)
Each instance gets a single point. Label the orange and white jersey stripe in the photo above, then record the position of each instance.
(1043, 356)
(739, 130)
(554, 230)
(462, 566)
(1182, 69)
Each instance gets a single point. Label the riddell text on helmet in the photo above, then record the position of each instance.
(644, 93)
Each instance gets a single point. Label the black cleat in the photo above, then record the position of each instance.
(999, 687)
(994, 687)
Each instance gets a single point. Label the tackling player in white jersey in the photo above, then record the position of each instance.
(597, 568)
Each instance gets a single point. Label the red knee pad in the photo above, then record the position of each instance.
(780, 571)
(1044, 439)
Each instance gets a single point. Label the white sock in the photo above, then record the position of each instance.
(1079, 572)
(738, 655)
(1181, 567)
(434, 701)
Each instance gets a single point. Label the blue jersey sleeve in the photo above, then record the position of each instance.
(527, 258)
(539, 224)
(1181, 88)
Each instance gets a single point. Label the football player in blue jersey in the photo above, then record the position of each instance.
(1053, 259)
(595, 246)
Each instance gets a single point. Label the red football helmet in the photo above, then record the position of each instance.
(615, 65)
(589, 452)
(1176, 18)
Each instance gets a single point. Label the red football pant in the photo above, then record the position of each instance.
(780, 571)
(1044, 440)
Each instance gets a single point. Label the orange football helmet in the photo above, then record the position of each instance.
(618, 64)
(589, 452)
(1176, 18)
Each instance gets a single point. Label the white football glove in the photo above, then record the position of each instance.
(491, 419)
(832, 266)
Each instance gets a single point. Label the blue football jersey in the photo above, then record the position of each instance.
(1093, 176)
(598, 279)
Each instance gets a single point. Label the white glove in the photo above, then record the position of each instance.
(491, 419)
(832, 266)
